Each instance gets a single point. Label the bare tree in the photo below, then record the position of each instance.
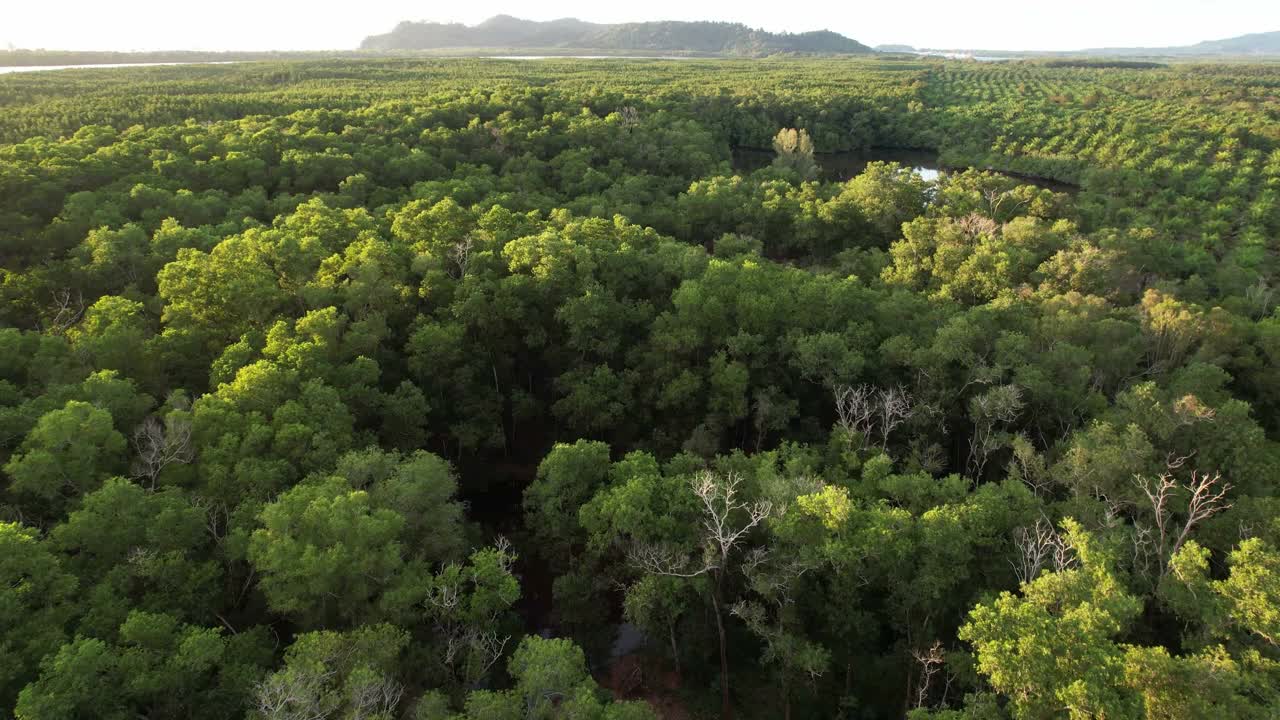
(870, 411)
(1040, 546)
(1206, 497)
(772, 576)
(1143, 549)
(721, 504)
(990, 411)
(161, 443)
(499, 142)
(895, 409)
(726, 520)
(217, 516)
(460, 254)
(630, 117)
(296, 696)
(996, 198)
(975, 225)
(855, 408)
(930, 661)
(374, 697)
(68, 307)
(1029, 466)
(311, 694)
(470, 648)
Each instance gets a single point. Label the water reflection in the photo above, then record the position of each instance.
(842, 166)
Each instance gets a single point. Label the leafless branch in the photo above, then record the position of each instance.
(870, 411)
(975, 225)
(855, 408)
(990, 411)
(1040, 546)
(668, 561)
(460, 254)
(931, 661)
(160, 444)
(376, 698)
(68, 307)
(1207, 497)
(720, 501)
(895, 408)
(295, 696)
(217, 516)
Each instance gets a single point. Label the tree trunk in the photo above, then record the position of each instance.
(906, 700)
(726, 709)
(675, 649)
(502, 412)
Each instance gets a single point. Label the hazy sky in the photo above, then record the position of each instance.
(312, 25)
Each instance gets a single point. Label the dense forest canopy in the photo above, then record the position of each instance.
(708, 38)
(477, 389)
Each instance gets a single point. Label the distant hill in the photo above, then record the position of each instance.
(1267, 43)
(1255, 45)
(709, 38)
(895, 48)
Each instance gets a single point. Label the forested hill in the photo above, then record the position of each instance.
(717, 38)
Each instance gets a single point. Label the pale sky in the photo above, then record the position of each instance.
(321, 25)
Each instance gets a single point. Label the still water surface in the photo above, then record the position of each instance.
(842, 166)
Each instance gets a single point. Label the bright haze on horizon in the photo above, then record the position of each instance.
(297, 25)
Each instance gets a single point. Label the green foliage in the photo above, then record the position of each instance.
(135, 550)
(66, 454)
(1053, 647)
(1252, 591)
(158, 667)
(551, 678)
(567, 478)
(327, 553)
(332, 674)
(36, 603)
(469, 606)
(295, 345)
(795, 153)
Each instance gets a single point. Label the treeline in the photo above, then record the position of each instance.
(512, 398)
